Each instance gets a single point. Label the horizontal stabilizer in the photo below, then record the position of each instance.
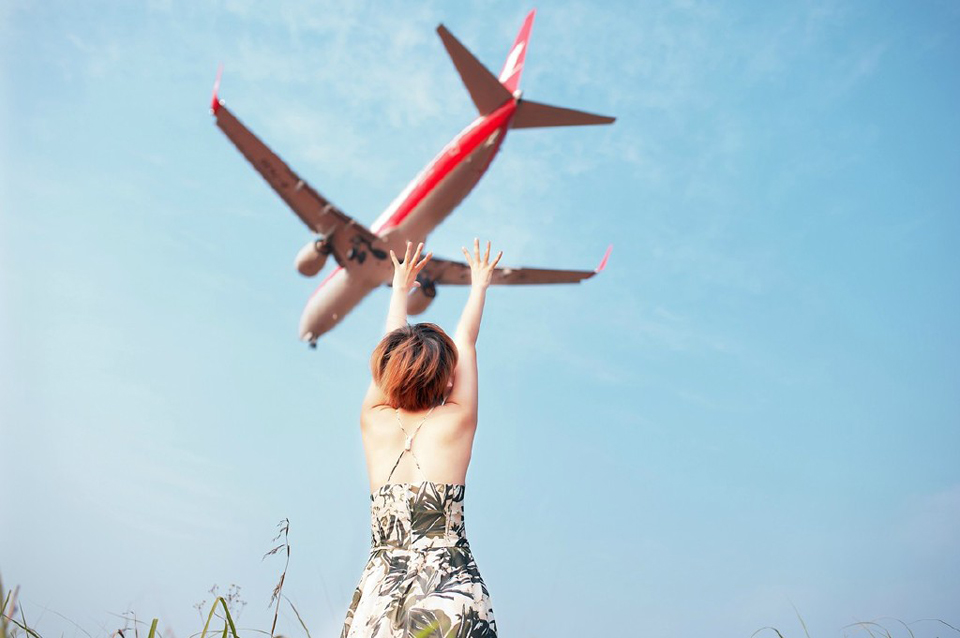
(485, 89)
(536, 115)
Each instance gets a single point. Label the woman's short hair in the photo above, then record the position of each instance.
(413, 364)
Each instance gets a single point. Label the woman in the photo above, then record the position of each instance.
(418, 421)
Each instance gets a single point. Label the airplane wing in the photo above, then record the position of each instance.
(310, 206)
(443, 271)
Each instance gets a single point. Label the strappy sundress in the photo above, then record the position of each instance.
(421, 580)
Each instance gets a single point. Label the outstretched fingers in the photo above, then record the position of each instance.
(423, 262)
(476, 262)
(411, 263)
(416, 255)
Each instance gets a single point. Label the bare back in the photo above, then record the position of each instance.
(411, 447)
(428, 445)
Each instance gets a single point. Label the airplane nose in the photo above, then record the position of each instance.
(308, 324)
(312, 323)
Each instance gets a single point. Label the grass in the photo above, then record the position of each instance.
(11, 627)
(871, 628)
(284, 532)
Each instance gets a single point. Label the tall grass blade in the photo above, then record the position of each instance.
(229, 619)
(867, 624)
(284, 526)
(3, 611)
(23, 617)
(23, 626)
(800, 618)
(302, 624)
(47, 610)
(153, 628)
(936, 620)
(905, 625)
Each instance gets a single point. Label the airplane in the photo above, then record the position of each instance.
(361, 253)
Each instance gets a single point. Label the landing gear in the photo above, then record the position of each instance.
(358, 255)
(361, 246)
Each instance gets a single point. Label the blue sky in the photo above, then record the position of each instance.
(754, 407)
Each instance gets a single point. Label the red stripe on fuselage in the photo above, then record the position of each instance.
(324, 282)
(330, 276)
(463, 145)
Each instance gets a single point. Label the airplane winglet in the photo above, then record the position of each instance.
(215, 101)
(603, 262)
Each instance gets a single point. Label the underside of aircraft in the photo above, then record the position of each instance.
(362, 253)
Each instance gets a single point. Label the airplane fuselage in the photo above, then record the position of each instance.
(426, 201)
(363, 253)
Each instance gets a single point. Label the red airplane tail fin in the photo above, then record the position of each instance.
(535, 114)
(489, 92)
(513, 67)
(486, 90)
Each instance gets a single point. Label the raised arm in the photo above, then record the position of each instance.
(464, 392)
(404, 279)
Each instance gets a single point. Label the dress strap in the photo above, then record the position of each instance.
(408, 441)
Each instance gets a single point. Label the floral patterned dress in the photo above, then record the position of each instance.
(421, 580)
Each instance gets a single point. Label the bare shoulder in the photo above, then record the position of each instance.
(450, 418)
(374, 416)
(455, 416)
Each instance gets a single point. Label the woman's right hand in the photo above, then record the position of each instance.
(481, 270)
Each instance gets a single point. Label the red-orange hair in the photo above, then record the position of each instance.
(413, 364)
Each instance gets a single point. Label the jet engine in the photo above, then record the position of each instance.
(420, 298)
(312, 257)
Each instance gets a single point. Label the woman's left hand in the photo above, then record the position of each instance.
(481, 270)
(405, 272)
